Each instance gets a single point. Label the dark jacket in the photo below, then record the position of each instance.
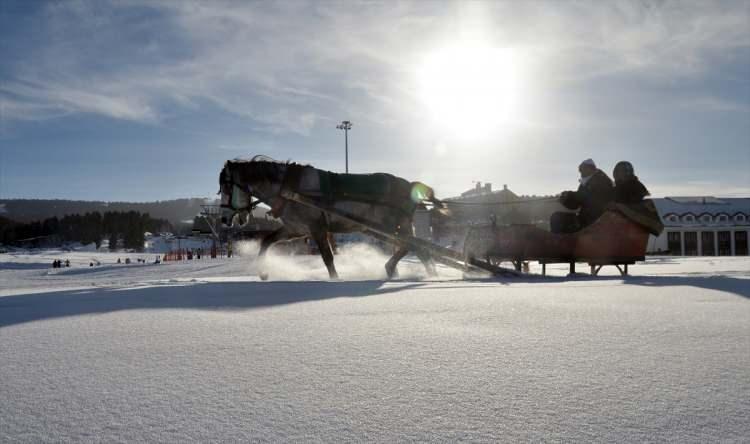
(630, 191)
(591, 198)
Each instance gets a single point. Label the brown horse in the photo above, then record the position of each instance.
(382, 199)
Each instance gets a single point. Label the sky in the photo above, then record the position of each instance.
(145, 100)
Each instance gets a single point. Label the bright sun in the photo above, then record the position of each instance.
(470, 91)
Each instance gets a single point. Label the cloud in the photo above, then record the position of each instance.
(26, 110)
(654, 39)
(700, 188)
(288, 66)
(715, 104)
(49, 100)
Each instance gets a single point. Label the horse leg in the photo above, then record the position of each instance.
(390, 266)
(321, 238)
(265, 244)
(429, 264)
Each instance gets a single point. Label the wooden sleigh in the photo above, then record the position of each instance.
(619, 238)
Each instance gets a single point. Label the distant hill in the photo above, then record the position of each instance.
(175, 211)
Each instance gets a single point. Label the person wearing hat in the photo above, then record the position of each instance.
(594, 193)
(628, 189)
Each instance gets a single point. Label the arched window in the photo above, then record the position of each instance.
(722, 218)
(740, 218)
(689, 218)
(672, 218)
(706, 218)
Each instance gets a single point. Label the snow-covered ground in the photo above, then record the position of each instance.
(204, 351)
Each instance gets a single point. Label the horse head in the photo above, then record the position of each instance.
(234, 195)
(242, 180)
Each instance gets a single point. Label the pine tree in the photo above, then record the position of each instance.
(113, 241)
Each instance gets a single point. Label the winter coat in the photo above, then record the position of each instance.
(630, 191)
(591, 198)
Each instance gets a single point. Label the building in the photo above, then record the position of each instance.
(481, 205)
(702, 226)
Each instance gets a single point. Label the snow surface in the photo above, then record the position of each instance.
(203, 351)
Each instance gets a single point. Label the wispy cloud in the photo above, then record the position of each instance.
(700, 188)
(37, 100)
(287, 66)
(715, 104)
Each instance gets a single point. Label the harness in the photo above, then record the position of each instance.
(290, 182)
(230, 192)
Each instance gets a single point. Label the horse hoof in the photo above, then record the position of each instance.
(391, 272)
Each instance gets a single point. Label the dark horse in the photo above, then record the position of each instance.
(382, 199)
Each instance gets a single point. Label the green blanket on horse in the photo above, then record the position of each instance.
(378, 188)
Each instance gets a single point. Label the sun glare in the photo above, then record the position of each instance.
(469, 91)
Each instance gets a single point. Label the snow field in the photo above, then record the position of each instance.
(203, 351)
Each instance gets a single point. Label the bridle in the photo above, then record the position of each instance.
(228, 187)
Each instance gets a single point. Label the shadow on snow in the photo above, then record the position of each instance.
(227, 296)
(231, 296)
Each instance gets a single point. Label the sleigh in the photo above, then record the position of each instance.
(618, 238)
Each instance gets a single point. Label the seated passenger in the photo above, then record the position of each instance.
(628, 189)
(594, 193)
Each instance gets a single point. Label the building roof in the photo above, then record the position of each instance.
(702, 204)
(482, 193)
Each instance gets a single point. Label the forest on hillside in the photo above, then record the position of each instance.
(122, 229)
(177, 211)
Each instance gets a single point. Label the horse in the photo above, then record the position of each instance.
(382, 199)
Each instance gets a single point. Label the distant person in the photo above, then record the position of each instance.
(67, 263)
(119, 261)
(628, 189)
(594, 193)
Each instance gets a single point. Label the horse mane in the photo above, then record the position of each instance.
(266, 166)
(264, 158)
(256, 158)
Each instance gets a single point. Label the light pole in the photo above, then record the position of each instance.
(346, 126)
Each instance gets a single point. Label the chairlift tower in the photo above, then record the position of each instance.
(346, 126)
(212, 215)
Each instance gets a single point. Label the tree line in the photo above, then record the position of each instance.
(122, 228)
(30, 210)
